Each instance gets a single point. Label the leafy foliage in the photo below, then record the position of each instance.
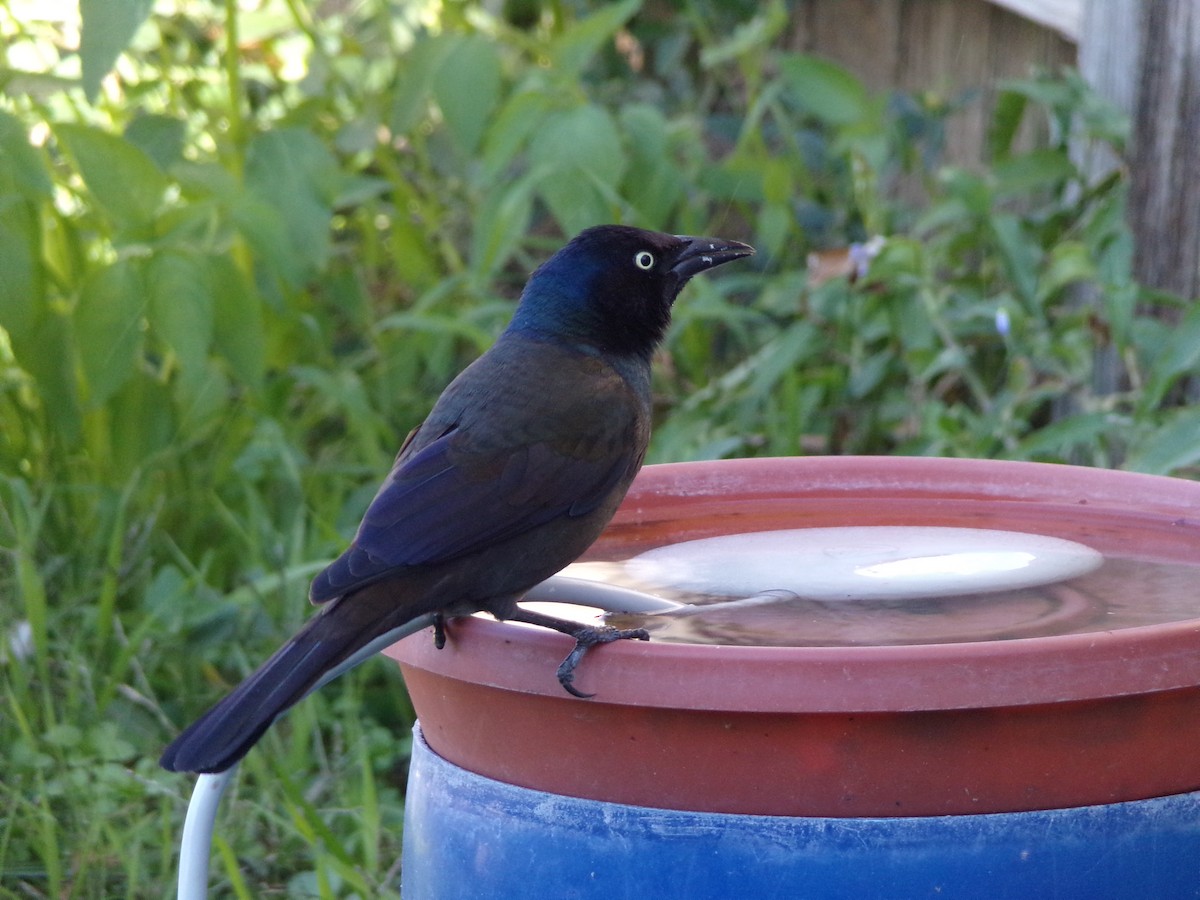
(240, 258)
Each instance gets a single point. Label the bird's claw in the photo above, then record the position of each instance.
(439, 631)
(585, 639)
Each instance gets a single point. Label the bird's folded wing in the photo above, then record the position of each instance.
(461, 493)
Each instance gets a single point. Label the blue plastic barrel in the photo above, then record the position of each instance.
(466, 836)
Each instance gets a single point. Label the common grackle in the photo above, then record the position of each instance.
(518, 468)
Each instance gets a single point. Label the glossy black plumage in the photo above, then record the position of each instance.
(519, 466)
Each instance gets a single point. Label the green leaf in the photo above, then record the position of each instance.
(578, 160)
(825, 89)
(355, 190)
(967, 195)
(124, 181)
(141, 423)
(265, 230)
(775, 222)
(500, 226)
(1031, 171)
(107, 28)
(21, 276)
(778, 183)
(108, 328)
(467, 88)
(181, 309)
(866, 376)
(1021, 256)
(901, 259)
(22, 169)
(654, 181)
(575, 48)
(160, 137)
(1068, 263)
(1173, 446)
(47, 354)
(736, 178)
(207, 180)
(417, 68)
(1006, 119)
(757, 31)
(202, 397)
(1120, 306)
(416, 258)
(519, 117)
(1178, 355)
(1057, 440)
(292, 181)
(777, 358)
(240, 332)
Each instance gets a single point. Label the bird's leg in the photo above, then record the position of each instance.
(586, 637)
(439, 630)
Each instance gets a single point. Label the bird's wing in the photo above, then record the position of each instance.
(491, 476)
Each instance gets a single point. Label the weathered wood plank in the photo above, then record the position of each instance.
(1164, 197)
(862, 35)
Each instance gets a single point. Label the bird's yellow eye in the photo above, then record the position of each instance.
(644, 259)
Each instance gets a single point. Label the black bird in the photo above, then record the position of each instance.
(520, 465)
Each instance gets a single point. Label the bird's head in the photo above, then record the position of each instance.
(612, 286)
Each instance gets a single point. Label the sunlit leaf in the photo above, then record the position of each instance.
(467, 88)
(125, 182)
(107, 28)
(23, 170)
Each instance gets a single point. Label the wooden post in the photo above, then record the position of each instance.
(1164, 208)
(1109, 60)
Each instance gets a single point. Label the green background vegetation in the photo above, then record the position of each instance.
(237, 270)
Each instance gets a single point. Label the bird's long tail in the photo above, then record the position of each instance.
(330, 644)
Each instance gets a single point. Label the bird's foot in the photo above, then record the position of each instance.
(439, 631)
(586, 637)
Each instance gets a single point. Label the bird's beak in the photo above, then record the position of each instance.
(701, 253)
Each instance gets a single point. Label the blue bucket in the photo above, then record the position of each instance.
(466, 836)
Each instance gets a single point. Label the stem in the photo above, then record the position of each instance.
(233, 80)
